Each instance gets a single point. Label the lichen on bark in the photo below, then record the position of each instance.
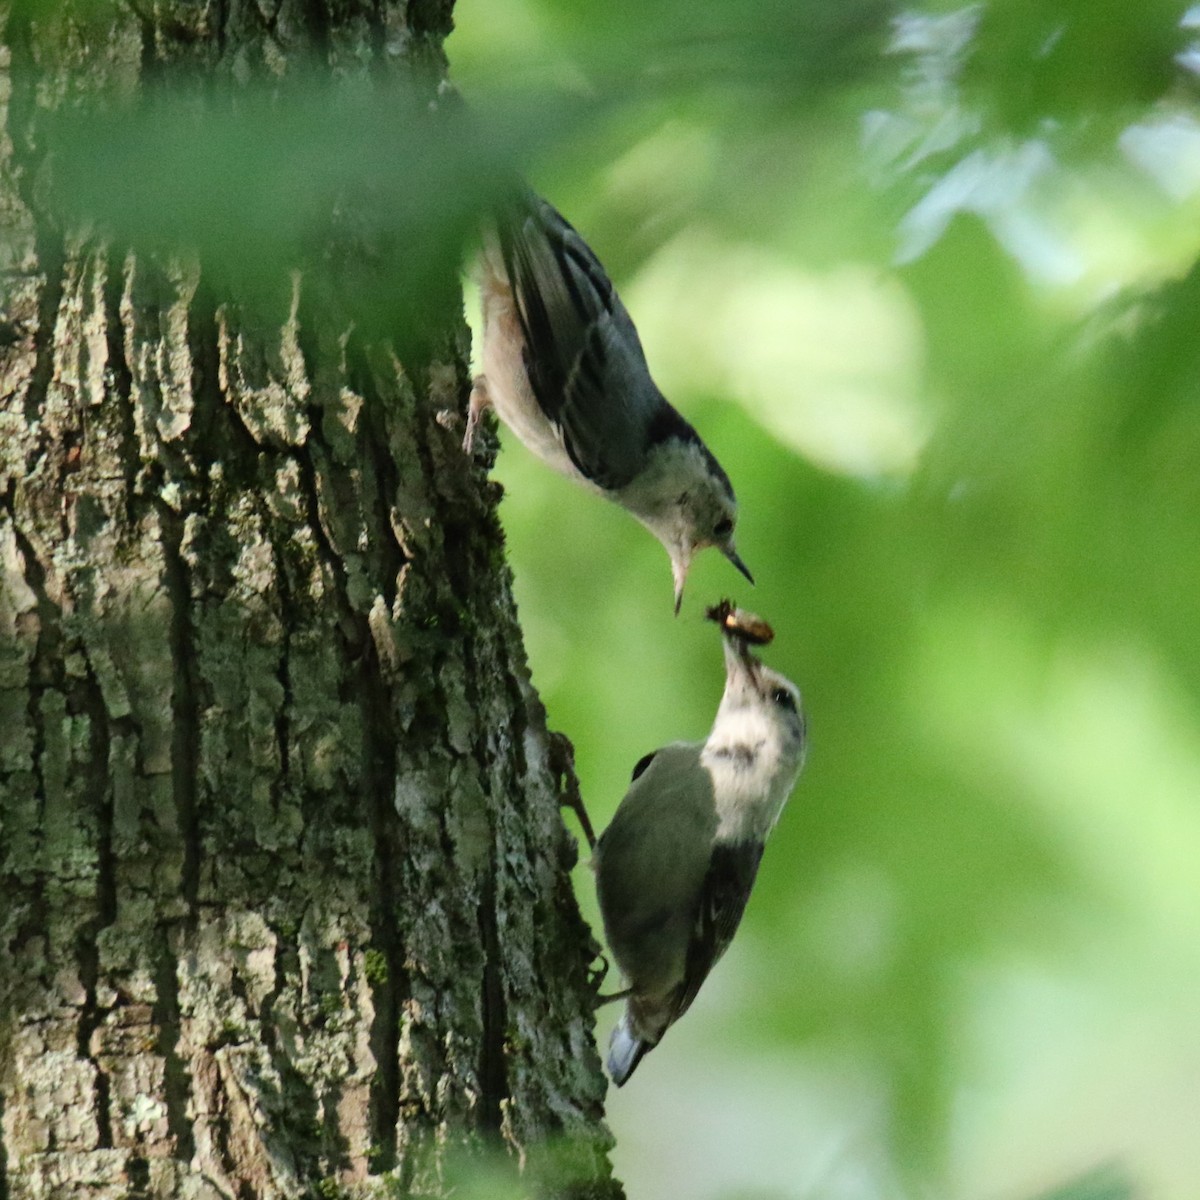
(284, 894)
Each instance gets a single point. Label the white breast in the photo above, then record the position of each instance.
(751, 777)
(504, 368)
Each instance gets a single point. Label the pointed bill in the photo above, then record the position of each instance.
(741, 667)
(681, 561)
(733, 556)
(740, 630)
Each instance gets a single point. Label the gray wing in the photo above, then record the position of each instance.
(722, 900)
(582, 354)
(650, 863)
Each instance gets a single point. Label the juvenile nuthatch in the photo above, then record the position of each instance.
(675, 867)
(564, 368)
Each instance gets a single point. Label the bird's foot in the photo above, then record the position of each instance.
(476, 407)
(597, 970)
(562, 763)
(623, 994)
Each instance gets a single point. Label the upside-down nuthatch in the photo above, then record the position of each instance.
(564, 368)
(675, 867)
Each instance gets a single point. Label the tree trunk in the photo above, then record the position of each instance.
(284, 894)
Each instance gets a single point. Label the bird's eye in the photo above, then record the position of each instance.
(723, 528)
(784, 699)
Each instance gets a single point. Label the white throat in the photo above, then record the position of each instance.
(752, 776)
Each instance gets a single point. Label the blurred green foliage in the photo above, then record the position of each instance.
(926, 280)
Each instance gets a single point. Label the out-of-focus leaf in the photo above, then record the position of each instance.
(374, 188)
(1085, 63)
(1104, 1183)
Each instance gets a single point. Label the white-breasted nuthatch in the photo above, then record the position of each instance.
(564, 368)
(675, 867)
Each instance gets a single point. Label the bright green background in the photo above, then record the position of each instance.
(924, 288)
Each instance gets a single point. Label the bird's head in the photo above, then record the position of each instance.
(707, 517)
(689, 504)
(757, 700)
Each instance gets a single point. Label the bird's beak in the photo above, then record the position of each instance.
(680, 562)
(741, 667)
(731, 554)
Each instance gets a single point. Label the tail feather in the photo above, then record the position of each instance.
(625, 1051)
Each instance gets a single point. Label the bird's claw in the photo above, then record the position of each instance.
(476, 407)
(596, 974)
(562, 763)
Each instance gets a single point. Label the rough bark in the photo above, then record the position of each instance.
(284, 903)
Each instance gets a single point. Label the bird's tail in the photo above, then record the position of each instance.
(625, 1050)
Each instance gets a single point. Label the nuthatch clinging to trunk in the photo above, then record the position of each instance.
(564, 368)
(675, 867)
